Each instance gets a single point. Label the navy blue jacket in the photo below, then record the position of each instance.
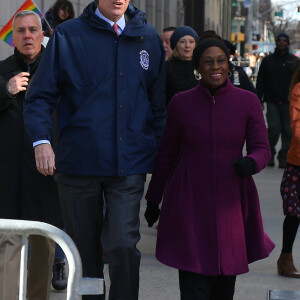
(109, 94)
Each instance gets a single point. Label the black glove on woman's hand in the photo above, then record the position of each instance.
(152, 213)
(244, 167)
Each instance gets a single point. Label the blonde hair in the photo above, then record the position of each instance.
(175, 54)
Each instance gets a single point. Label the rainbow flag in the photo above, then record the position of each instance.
(6, 31)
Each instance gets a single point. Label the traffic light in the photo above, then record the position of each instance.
(298, 9)
(237, 37)
(233, 37)
(241, 37)
(255, 37)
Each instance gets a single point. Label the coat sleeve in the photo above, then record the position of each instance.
(246, 83)
(5, 99)
(157, 97)
(295, 113)
(8, 68)
(47, 20)
(42, 96)
(168, 75)
(168, 153)
(257, 143)
(261, 76)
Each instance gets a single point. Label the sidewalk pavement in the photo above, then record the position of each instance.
(159, 282)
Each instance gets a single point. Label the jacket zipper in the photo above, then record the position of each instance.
(214, 175)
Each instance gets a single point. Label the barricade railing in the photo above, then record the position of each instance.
(77, 285)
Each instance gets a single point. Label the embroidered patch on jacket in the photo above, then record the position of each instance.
(144, 59)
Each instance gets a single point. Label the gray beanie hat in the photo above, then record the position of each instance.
(180, 32)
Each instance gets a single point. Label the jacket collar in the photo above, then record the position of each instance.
(135, 20)
(281, 53)
(121, 22)
(223, 89)
(23, 65)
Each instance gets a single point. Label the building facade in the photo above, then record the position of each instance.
(209, 15)
(160, 13)
(200, 14)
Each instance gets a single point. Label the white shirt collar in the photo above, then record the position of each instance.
(121, 22)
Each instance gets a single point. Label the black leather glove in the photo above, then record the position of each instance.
(152, 213)
(244, 167)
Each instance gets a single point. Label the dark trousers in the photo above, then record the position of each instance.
(59, 254)
(82, 206)
(201, 287)
(278, 119)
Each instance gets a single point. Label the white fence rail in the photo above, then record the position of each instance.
(77, 285)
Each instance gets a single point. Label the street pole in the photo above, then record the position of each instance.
(249, 26)
(239, 19)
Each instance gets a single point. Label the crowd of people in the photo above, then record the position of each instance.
(107, 102)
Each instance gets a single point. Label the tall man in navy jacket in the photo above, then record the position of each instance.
(107, 70)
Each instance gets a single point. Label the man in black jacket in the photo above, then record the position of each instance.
(25, 193)
(273, 82)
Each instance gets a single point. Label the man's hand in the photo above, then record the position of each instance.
(44, 159)
(18, 83)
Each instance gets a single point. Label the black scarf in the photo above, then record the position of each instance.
(31, 68)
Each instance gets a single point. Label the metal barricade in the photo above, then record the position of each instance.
(77, 285)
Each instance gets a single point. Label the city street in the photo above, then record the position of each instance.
(106, 84)
(158, 282)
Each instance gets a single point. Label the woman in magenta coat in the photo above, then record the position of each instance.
(210, 224)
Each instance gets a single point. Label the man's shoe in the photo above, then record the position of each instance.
(282, 165)
(271, 162)
(59, 279)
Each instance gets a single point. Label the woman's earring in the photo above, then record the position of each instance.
(229, 73)
(197, 75)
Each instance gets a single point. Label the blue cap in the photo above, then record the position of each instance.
(180, 32)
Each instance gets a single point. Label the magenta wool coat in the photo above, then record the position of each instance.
(210, 221)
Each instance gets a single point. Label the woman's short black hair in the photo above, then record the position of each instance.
(65, 5)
